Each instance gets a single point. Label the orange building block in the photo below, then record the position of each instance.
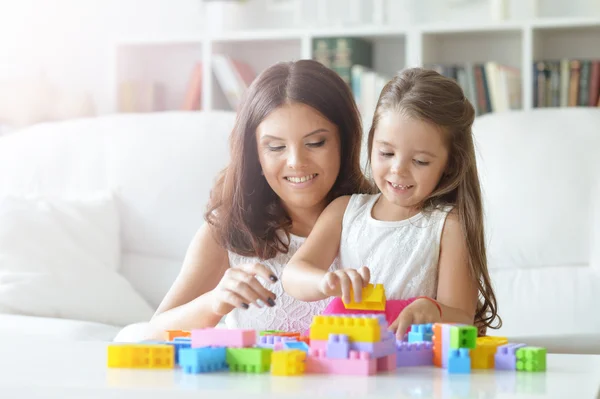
(482, 357)
(172, 334)
(437, 344)
(373, 298)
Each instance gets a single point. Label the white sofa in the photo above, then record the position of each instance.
(152, 173)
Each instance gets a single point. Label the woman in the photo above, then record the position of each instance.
(294, 148)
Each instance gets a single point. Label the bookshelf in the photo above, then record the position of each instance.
(519, 44)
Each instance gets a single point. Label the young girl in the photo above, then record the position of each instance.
(422, 236)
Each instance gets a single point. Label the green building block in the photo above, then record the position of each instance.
(248, 360)
(531, 358)
(463, 337)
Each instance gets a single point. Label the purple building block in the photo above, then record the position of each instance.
(268, 341)
(338, 346)
(383, 348)
(505, 357)
(414, 354)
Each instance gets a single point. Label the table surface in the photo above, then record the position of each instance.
(78, 369)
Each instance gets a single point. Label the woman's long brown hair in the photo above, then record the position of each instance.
(428, 96)
(245, 213)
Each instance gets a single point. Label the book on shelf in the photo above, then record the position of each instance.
(343, 53)
(233, 76)
(489, 86)
(137, 96)
(566, 83)
(193, 95)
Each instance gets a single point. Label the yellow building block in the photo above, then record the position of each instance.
(482, 357)
(142, 356)
(373, 298)
(288, 362)
(358, 329)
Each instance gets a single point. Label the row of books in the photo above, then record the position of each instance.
(566, 83)
(490, 86)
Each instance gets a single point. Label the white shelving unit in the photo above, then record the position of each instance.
(515, 43)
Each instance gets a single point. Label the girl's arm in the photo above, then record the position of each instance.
(457, 289)
(303, 275)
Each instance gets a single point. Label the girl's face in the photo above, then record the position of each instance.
(299, 151)
(408, 159)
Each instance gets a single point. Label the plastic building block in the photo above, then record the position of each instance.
(358, 363)
(482, 357)
(294, 335)
(420, 333)
(463, 337)
(172, 334)
(410, 354)
(202, 360)
(248, 360)
(387, 363)
(436, 339)
(445, 344)
(385, 347)
(270, 332)
(288, 362)
(234, 338)
(531, 358)
(179, 344)
(268, 341)
(459, 361)
(144, 356)
(373, 298)
(338, 346)
(304, 339)
(505, 357)
(360, 328)
(301, 346)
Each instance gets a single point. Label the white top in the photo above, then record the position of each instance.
(288, 314)
(402, 255)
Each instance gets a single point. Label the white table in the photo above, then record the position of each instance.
(78, 370)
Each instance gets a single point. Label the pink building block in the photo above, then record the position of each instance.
(358, 363)
(235, 338)
(387, 363)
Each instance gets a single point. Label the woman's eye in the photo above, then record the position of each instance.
(421, 163)
(276, 148)
(386, 154)
(318, 144)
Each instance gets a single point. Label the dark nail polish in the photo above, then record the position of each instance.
(271, 302)
(245, 305)
(273, 278)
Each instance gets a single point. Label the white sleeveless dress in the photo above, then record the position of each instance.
(288, 314)
(402, 255)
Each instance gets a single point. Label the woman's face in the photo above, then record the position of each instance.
(299, 151)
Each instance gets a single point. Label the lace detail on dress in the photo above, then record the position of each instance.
(288, 314)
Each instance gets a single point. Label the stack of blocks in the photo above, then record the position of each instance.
(358, 344)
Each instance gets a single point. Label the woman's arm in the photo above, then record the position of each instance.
(207, 288)
(304, 273)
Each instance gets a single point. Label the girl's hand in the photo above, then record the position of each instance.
(338, 283)
(239, 288)
(421, 311)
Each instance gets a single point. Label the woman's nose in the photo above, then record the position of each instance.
(296, 159)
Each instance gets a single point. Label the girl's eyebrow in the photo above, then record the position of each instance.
(416, 152)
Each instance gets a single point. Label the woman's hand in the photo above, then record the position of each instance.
(421, 311)
(340, 282)
(239, 288)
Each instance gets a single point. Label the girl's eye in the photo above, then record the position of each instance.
(386, 154)
(315, 145)
(421, 163)
(277, 148)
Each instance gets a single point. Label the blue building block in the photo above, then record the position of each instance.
(420, 333)
(296, 345)
(459, 361)
(202, 360)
